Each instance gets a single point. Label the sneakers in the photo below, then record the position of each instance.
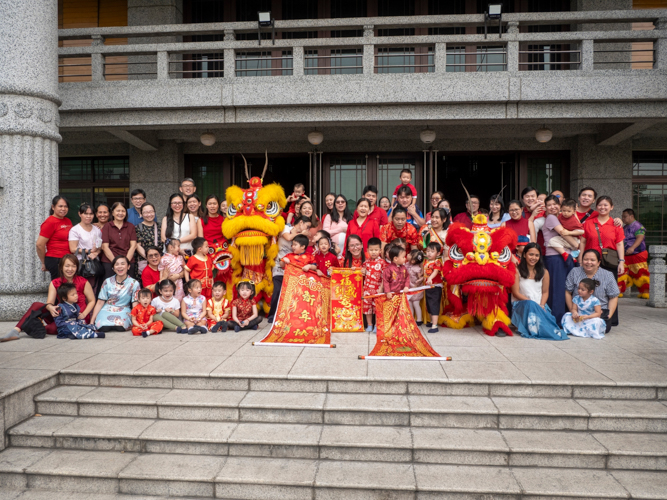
(433, 330)
(369, 328)
(182, 329)
(429, 325)
(144, 334)
(216, 327)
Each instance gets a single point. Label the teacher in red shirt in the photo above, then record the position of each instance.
(53, 241)
(362, 225)
(211, 222)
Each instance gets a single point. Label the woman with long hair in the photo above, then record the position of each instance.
(363, 226)
(211, 221)
(193, 204)
(119, 238)
(329, 203)
(178, 223)
(336, 222)
(354, 252)
(497, 213)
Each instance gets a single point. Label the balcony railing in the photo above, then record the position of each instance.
(339, 49)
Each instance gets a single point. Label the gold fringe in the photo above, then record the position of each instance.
(251, 255)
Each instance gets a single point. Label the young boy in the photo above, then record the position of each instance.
(433, 275)
(218, 308)
(67, 322)
(406, 178)
(395, 275)
(373, 279)
(298, 257)
(571, 224)
(299, 192)
(142, 316)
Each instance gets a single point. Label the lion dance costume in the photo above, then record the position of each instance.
(253, 225)
(479, 267)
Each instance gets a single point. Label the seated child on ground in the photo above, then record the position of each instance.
(68, 323)
(244, 310)
(143, 314)
(586, 320)
(193, 310)
(218, 308)
(573, 227)
(416, 274)
(167, 307)
(372, 279)
(433, 275)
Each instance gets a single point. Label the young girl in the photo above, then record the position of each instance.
(433, 275)
(395, 276)
(143, 316)
(171, 266)
(372, 279)
(385, 253)
(193, 310)
(67, 322)
(585, 320)
(200, 266)
(218, 308)
(325, 257)
(244, 309)
(167, 307)
(416, 273)
(354, 253)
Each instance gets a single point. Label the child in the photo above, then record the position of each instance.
(312, 249)
(171, 266)
(167, 307)
(433, 274)
(244, 309)
(218, 308)
(200, 266)
(354, 253)
(406, 177)
(385, 253)
(324, 257)
(298, 194)
(67, 322)
(298, 257)
(193, 310)
(372, 279)
(586, 320)
(395, 276)
(416, 274)
(143, 316)
(573, 226)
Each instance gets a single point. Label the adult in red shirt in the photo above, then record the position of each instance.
(524, 228)
(119, 238)
(375, 213)
(585, 205)
(399, 227)
(362, 225)
(472, 206)
(610, 235)
(53, 241)
(150, 277)
(211, 222)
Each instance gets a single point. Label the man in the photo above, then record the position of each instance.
(586, 206)
(138, 197)
(399, 228)
(376, 213)
(301, 226)
(404, 197)
(472, 207)
(188, 187)
(636, 256)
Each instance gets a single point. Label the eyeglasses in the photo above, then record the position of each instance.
(148, 213)
(514, 210)
(137, 198)
(177, 203)
(436, 199)
(341, 201)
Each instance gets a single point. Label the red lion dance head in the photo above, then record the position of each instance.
(221, 256)
(479, 266)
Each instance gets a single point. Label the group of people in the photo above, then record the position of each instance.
(120, 269)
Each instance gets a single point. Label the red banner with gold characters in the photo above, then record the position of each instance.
(346, 300)
(303, 310)
(398, 335)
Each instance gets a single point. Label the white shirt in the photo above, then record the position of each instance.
(160, 305)
(86, 239)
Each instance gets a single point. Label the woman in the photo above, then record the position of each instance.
(223, 208)
(151, 275)
(524, 228)
(436, 198)
(211, 222)
(53, 240)
(607, 293)
(102, 214)
(119, 238)
(363, 226)
(435, 230)
(193, 203)
(385, 204)
(601, 234)
(69, 265)
(497, 213)
(530, 292)
(557, 266)
(118, 296)
(336, 222)
(179, 224)
(306, 210)
(86, 236)
(354, 253)
(148, 235)
(329, 202)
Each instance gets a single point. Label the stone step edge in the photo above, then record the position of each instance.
(377, 386)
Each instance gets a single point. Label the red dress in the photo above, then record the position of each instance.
(369, 229)
(372, 281)
(325, 262)
(145, 315)
(389, 233)
(201, 270)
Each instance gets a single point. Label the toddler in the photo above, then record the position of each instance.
(574, 228)
(244, 309)
(395, 276)
(218, 308)
(416, 274)
(324, 257)
(200, 266)
(67, 322)
(171, 266)
(433, 275)
(406, 178)
(586, 319)
(385, 253)
(143, 321)
(298, 257)
(167, 307)
(193, 310)
(372, 279)
(298, 194)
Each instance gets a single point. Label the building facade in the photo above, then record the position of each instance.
(98, 97)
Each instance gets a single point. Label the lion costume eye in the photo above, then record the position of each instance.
(231, 211)
(272, 209)
(455, 253)
(505, 255)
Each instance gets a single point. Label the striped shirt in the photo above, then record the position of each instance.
(608, 288)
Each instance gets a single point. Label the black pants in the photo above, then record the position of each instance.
(232, 324)
(51, 264)
(613, 321)
(277, 286)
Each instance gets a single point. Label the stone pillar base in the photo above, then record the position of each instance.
(13, 306)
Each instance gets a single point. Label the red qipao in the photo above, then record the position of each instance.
(367, 230)
(213, 229)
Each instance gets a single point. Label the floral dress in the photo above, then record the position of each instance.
(174, 264)
(593, 327)
(119, 298)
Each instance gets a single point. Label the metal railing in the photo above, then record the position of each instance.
(333, 61)
(476, 59)
(634, 58)
(405, 60)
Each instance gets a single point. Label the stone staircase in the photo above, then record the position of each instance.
(95, 436)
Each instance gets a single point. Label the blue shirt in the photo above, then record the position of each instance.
(133, 216)
(410, 219)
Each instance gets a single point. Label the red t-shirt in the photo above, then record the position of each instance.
(429, 267)
(150, 277)
(521, 228)
(378, 215)
(570, 223)
(412, 188)
(213, 229)
(369, 229)
(580, 215)
(609, 233)
(57, 232)
(201, 270)
(79, 283)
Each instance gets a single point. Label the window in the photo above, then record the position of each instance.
(404, 60)
(544, 174)
(208, 176)
(333, 61)
(94, 181)
(389, 174)
(348, 177)
(652, 164)
(347, 8)
(649, 194)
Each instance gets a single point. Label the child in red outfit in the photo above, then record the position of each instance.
(200, 266)
(395, 276)
(244, 310)
(218, 308)
(372, 279)
(142, 316)
(324, 257)
(298, 257)
(406, 178)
